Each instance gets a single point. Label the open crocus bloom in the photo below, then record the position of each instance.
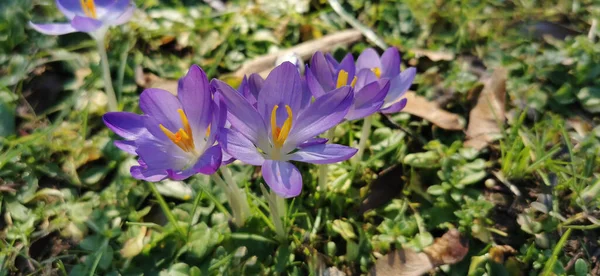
(89, 16)
(387, 68)
(175, 137)
(325, 74)
(282, 128)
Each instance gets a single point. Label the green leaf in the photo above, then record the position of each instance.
(436, 190)
(203, 240)
(17, 210)
(581, 267)
(344, 229)
(426, 160)
(92, 243)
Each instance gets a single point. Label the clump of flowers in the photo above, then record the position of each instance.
(265, 122)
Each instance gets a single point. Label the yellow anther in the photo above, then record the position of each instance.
(342, 79)
(353, 83)
(208, 130)
(88, 7)
(183, 138)
(280, 134)
(377, 71)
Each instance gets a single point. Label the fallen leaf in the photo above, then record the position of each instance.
(487, 117)
(421, 107)
(264, 64)
(403, 262)
(433, 55)
(499, 252)
(451, 248)
(147, 80)
(448, 249)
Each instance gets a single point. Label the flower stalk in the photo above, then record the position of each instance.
(364, 136)
(108, 88)
(237, 199)
(278, 210)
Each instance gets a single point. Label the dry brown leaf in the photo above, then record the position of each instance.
(448, 249)
(265, 63)
(421, 107)
(147, 80)
(434, 55)
(402, 262)
(451, 248)
(499, 252)
(487, 117)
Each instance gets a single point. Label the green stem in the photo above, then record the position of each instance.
(110, 92)
(324, 169)
(364, 137)
(242, 211)
(237, 201)
(165, 207)
(277, 208)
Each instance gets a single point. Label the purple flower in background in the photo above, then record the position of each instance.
(89, 16)
(175, 137)
(325, 74)
(387, 68)
(282, 126)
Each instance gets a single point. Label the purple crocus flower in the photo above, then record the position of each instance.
(89, 16)
(175, 137)
(325, 74)
(387, 68)
(282, 127)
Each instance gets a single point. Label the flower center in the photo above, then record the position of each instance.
(280, 134)
(376, 71)
(342, 79)
(88, 7)
(183, 137)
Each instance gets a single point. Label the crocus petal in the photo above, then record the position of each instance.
(193, 92)
(69, 8)
(126, 146)
(242, 116)
(160, 107)
(368, 100)
(282, 177)
(368, 59)
(143, 173)
(347, 64)
(219, 117)
(364, 77)
(400, 84)
(313, 84)
(85, 24)
(313, 141)
(323, 154)
(395, 107)
(390, 63)
(125, 124)
(255, 84)
(53, 28)
(240, 147)
(208, 163)
(159, 155)
(324, 113)
(282, 87)
(323, 71)
(124, 17)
